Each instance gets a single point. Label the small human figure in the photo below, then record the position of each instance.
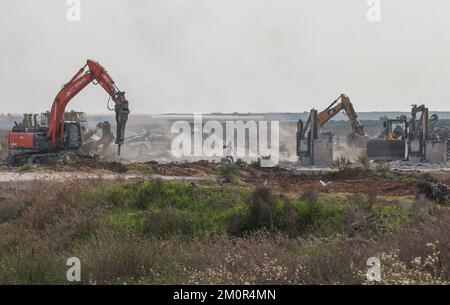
(228, 152)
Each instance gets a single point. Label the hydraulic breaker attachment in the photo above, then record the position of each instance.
(122, 111)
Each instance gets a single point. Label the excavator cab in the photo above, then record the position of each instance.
(392, 144)
(75, 127)
(395, 129)
(72, 135)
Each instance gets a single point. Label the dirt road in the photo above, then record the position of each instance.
(10, 177)
(290, 182)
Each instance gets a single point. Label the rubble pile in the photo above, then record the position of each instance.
(437, 191)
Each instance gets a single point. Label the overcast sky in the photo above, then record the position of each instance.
(228, 55)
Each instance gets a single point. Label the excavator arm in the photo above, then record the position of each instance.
(347, 106)
(417, 126)
(332, 111)
(98, 75)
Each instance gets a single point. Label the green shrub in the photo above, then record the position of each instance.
(341, 163)
(259, 214)
(391, 219)
(123, 219)
(240, 162)
(287, 220)
(205, 208)
(25, 168)
(261, 209)
(318, 217)
(148, 194)
(266, 211)
(364, 160)
(229, 172)
(144, 168)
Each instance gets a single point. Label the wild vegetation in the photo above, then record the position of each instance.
(161, 232)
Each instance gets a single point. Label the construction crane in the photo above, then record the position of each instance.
(329, 113)
(30, 142)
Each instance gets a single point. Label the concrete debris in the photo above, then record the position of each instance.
(409, 166)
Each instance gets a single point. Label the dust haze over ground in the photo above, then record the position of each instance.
(149, 138)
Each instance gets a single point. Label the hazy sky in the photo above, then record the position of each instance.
(228, 55)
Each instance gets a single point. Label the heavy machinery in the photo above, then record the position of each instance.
(419, 127)
(392, 143)
(329, 113)
(314, 145)
(89, 139)
(414, 139)
(439, 133)
(31, 142)
(401, 128)
(395, 129)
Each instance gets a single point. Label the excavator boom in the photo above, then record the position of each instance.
(347, 106)
(94, 73)
(332, 111)
(311, 137)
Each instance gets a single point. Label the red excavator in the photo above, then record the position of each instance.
(54, 137)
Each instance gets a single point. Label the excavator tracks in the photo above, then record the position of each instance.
(50, 158)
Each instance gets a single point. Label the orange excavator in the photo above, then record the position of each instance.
(32, 142)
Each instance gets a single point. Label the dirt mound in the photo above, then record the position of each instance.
(202, 168)
(347, 181)
(281, 180)
(89, 166)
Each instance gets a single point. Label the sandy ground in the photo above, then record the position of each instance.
(8, 177)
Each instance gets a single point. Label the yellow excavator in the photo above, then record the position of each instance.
(403, 138)
(314, 147)
(402, 128)
(328, 114)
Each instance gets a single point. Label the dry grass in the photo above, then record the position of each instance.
(42, 226)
